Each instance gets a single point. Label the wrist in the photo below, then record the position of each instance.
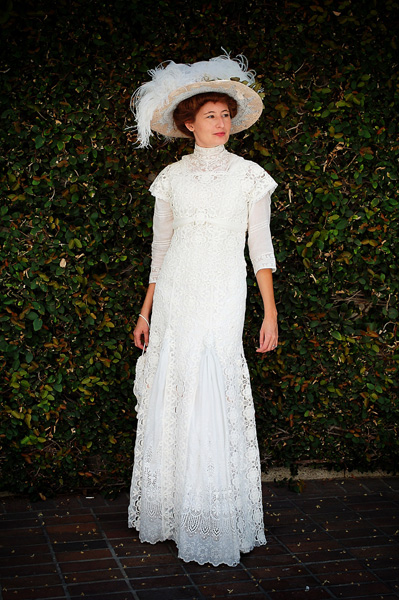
(270, 314)
(144, 319)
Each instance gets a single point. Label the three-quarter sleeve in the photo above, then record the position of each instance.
(259, 237)
(162, 222)
(261, 186)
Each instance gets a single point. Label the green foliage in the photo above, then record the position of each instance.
(76, 222)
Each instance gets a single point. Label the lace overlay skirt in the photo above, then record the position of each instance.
(196, 474)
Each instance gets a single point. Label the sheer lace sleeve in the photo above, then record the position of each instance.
(262, 185)
(162, 223)
(259, 236)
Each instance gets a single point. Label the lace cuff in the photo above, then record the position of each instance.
(264, 261)
(154, 274)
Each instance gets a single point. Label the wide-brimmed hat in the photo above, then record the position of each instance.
(154, 102)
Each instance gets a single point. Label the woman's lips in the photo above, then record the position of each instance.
(221, 134)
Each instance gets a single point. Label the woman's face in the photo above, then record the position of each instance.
(212, 124)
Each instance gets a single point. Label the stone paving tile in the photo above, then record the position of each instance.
(80, 545)
(16, 506)
(97, 587)
(301, 582)
(140, 552)
(374, 552)
(316, 594)
(86, 554)
(112, 517)
(116, 532)
(101, 596)
(217, 576)
(356, 533)
(43, 593)
(19, 553)
(32, 582)
(95, 575)
(230, 589)
(179, 593)
(70, 532)
(88, 565)
(137, 572)
(390, 574)
(157, 582)
(333, 522)
(22, 539)
(7, 523)
(74, 517)
(322, 556)
(324, 568)
(195, 569)
(360, 590)
(25, 570)
(281, 575)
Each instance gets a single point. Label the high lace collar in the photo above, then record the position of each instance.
(209, 154)
(208, 160)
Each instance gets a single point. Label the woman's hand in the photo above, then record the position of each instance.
(142, 330)
(268, 337)
(141, 333)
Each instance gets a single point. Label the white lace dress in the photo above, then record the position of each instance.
(196, 474)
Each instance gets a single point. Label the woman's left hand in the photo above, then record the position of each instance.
(268, 337)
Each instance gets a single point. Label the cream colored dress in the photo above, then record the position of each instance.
(196, 474)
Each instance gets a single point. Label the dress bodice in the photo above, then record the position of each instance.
(209, 199)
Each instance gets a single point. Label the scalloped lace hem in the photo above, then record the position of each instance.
(199, 561)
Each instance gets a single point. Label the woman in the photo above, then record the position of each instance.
(196, 474)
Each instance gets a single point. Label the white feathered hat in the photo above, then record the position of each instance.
(154, 102)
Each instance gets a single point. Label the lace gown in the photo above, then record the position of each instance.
(196, 474)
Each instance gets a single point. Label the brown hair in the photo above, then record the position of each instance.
(187, 109)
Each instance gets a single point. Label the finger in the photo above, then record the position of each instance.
(272, 346)
(269, 344)
(137, 340)
(146, 337)
(262, 337)
(263, 347)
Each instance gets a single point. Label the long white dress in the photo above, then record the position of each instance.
(196, 474)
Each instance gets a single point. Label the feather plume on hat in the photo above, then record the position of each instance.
(154, 102)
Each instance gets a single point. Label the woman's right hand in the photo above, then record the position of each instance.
(141, 333)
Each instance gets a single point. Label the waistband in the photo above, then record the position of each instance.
(204, 220)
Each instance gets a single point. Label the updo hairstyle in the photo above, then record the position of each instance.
(187, 109)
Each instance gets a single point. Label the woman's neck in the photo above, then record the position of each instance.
(212, 151)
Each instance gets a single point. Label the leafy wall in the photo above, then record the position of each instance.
(76, 227)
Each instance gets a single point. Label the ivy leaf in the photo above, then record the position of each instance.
(37, 324)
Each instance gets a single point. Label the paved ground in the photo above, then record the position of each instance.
(337, 539)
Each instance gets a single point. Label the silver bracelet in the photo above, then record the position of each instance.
(143, 317)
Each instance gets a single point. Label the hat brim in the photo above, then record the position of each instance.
(249, 105)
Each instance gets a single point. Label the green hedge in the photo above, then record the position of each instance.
(76, 221)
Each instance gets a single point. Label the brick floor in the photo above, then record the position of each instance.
(337, 539)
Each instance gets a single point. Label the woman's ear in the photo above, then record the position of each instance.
(189, 125)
